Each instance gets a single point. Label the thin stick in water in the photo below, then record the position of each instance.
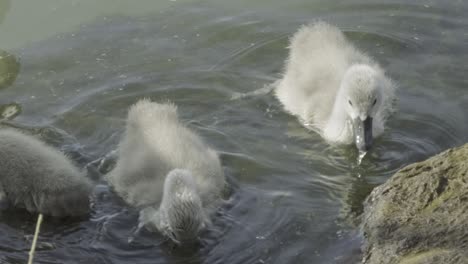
(36, 234)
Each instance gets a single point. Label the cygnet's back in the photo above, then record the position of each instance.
(318, 59)
(155, 143)
(39, 178)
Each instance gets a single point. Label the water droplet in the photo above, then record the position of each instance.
(362, 154)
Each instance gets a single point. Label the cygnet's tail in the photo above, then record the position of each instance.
(316, 36)
(145, 112)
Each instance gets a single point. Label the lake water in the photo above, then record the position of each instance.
(294, 198)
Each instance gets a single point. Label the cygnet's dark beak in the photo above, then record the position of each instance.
(363, 133)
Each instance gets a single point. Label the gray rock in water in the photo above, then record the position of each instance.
(420, 215)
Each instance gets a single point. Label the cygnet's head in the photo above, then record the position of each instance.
(181, 207)
(362, 88)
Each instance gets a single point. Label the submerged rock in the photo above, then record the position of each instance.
(420, 215)
(9, 69)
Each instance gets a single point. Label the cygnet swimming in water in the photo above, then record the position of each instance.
(167, 172)
(334, 88)
(39, 178)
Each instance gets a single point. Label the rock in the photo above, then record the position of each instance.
(9, 69)
(420, 215)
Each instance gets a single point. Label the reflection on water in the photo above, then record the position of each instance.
(295, 199)
(9, 69)
(4, 7)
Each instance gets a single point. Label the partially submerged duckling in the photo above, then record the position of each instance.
(167, 172)
(39, 178)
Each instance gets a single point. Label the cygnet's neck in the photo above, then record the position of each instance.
(179, 186)
(179, 196)
(181, 205)
(335, 128)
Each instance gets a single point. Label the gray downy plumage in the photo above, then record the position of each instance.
(39, 178)
(167, 171)
(333, 88)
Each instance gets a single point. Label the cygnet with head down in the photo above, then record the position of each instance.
(39, 178)
(167, 172)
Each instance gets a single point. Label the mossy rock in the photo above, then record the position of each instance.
(9, 69)
(420, 215)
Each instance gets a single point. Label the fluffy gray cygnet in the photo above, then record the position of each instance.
(39, 178)
(167, 171)
(334, 88)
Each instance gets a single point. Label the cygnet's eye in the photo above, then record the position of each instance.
(375, 101)
(350, 103)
